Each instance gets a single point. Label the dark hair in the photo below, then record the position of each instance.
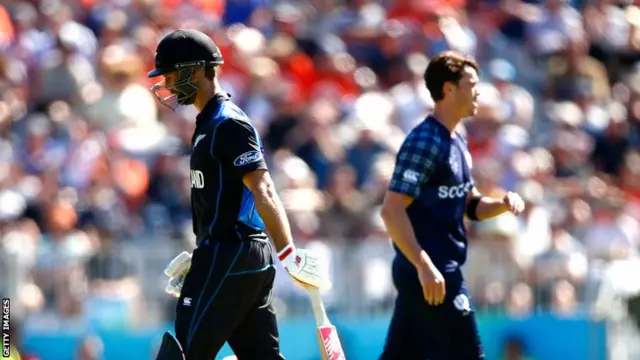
(446, 67)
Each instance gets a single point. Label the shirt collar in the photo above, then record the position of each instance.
(443, 129)
(212, 107)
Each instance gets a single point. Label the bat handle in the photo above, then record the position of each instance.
(318, 308)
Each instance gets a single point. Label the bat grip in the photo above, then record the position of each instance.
(318, 308)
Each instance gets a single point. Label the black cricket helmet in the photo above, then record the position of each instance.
(183, 51)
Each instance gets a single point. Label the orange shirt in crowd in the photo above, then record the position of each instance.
(207, 6)
(6, 27)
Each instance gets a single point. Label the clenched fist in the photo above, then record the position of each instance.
(513, 202)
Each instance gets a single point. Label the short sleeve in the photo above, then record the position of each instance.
(415, 163)
(238, 145)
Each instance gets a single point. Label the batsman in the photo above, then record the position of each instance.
(225, 286)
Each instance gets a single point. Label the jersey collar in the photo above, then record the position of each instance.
(212, 107)
(443, 129)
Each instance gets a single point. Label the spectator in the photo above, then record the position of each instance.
(90, 348)
(111, 282)
(515, 349)
(494, 253)
(564, 260)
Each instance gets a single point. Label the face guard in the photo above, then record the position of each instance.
(183, 90)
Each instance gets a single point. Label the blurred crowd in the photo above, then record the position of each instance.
(94, 176)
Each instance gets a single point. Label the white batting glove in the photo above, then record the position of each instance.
(304, 267)
(176, 271)
(179, 266)
(174, 287)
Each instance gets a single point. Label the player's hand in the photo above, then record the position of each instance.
(433, 285)
(176, 271)
(513, 202)
(174, 287)
(305, 268)
(179, 266)
(306, 287)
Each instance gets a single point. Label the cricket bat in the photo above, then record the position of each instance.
(328, 340)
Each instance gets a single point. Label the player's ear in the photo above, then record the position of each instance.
(448, 88)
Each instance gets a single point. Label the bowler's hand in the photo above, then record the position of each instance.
(433, 285)
(513, 202)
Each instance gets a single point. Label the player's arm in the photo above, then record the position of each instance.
(415, 163)
(396, 220)
(269, 207)
(302, 265)
(238, 146)
(480, 207)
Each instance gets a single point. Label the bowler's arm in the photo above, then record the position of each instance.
(480, 207)
(415, 163)
(398, 225)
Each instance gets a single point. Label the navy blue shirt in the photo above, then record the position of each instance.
(434, 168)
(225, 146)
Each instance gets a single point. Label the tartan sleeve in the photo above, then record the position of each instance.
(415, 163)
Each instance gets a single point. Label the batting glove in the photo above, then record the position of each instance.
(174, 287)
(176, 271)
(304, 267)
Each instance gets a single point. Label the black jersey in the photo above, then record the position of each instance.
(225, 146)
